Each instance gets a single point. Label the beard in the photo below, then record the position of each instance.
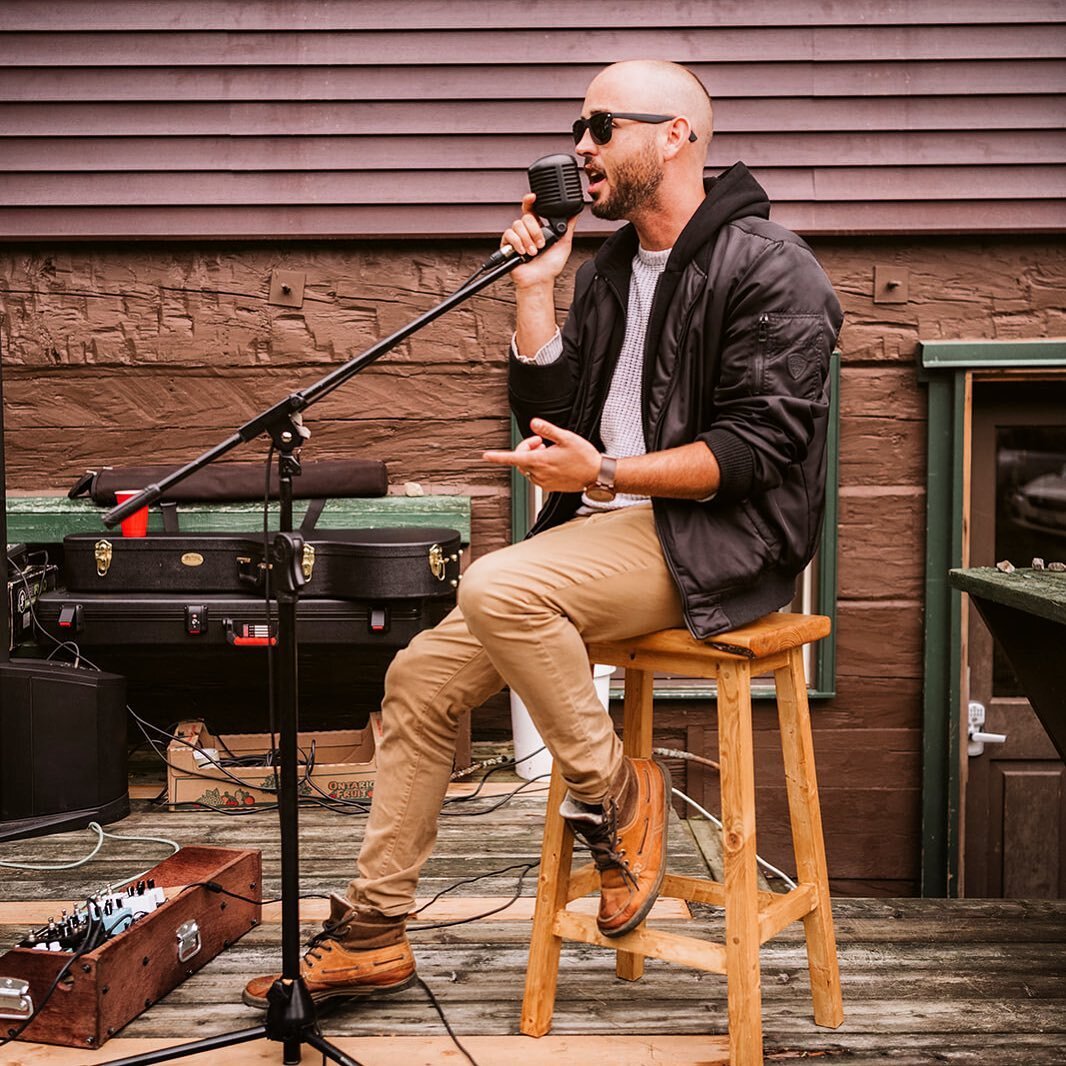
(634, 186)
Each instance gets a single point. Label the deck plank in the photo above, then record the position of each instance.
(925, 981)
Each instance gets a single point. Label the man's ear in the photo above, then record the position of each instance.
(677, 136)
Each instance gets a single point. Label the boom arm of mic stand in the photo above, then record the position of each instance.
(280, 418)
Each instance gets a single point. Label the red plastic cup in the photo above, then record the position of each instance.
(136, 525)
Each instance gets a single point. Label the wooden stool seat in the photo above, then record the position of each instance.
(771, 644)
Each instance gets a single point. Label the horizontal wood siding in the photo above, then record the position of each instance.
(331, 119)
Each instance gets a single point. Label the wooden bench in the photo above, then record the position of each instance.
(772, 644)
(48, 519)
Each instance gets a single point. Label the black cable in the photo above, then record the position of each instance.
(509, 764)
(88, 943)
(143, 724)
(471, 880)
(483, 914)
(440, 1011)
(498, 804)
(214, 886)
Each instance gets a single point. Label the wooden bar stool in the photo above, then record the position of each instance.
(773, 643)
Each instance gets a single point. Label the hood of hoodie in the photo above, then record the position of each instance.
(733, 194)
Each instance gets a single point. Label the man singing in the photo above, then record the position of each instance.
(678, 422)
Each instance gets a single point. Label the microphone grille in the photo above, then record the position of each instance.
(556, 181)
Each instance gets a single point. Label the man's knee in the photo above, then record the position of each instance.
(489, 592)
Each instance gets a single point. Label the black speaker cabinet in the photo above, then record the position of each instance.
(62, 748)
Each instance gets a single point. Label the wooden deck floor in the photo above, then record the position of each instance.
(925, 981)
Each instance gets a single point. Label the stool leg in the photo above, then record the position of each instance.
(807, 839)
(737, 758)
(636, 743)
(542, 972)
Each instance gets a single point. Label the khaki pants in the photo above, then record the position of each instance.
(523, 617)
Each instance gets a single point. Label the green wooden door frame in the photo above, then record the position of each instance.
(945, 366)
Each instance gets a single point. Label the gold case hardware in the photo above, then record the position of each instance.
(308, 561)
(103, 552)
(437, 563)
(192, 559)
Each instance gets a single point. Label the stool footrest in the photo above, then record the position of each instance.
(651, 943)
(785, 909)
(584, 880)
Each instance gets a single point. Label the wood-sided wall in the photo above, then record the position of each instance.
(137, 352)
(366, 118)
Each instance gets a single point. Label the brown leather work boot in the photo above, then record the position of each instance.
(359, 953)
(627, 838)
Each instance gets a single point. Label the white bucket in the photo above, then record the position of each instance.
(532, 759)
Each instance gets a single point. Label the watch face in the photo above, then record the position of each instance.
(600, 493)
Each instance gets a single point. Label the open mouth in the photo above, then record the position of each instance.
(596, 179)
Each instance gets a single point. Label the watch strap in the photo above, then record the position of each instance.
(608, 470)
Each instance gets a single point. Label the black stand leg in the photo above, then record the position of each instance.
(291, 1018)
(212, 1043)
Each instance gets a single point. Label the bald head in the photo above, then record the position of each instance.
(652, 85)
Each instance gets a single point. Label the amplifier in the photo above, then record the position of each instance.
(62, 748)
(24, 589)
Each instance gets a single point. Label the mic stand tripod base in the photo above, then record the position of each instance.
(291, 1019)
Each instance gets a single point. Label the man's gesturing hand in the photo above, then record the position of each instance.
(568, 466)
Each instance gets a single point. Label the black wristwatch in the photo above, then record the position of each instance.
(602, 490)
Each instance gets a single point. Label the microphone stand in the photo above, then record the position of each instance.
(291, 1016)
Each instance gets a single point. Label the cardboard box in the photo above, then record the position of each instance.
(345, 765)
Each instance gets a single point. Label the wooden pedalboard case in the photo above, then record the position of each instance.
(108, 987)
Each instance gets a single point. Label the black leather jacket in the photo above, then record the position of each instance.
(737, 355)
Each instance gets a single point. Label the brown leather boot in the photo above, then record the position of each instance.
(359, 953)
(627, 838)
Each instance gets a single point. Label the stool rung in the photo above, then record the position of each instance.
(694, 889)
(651, 943)
(584, 880)
(786, 909)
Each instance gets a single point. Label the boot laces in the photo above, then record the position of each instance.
(603, 842)
(321, 941)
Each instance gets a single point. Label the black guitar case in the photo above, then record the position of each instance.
(356, 564)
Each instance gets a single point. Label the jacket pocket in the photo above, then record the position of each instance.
(792, 354)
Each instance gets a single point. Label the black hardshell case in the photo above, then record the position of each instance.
(386, 563)
(163, 562)
(187, 622)
(370, 564)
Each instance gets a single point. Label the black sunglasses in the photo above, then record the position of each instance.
(601, 124)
